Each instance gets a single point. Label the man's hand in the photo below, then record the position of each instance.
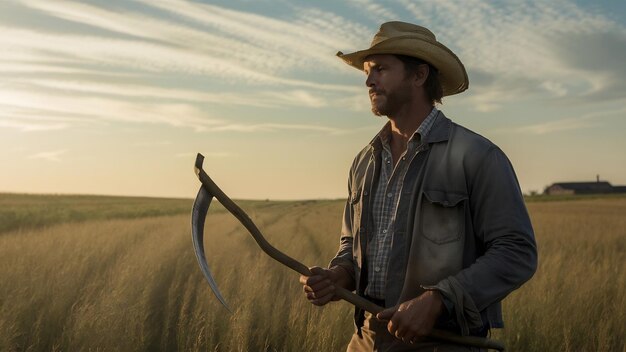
(320, 287)
(413, 319)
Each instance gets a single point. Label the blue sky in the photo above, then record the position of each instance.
(116, 97)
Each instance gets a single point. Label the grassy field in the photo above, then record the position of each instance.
(106, 273)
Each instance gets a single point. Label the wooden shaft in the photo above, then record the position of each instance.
(295, 265)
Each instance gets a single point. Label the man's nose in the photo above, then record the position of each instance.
(369, 81)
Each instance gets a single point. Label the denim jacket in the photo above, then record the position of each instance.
(461, 227)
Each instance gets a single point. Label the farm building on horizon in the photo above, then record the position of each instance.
(569, 188)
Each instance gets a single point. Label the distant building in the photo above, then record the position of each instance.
(569, 188)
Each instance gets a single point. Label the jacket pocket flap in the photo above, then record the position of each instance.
(445, 199)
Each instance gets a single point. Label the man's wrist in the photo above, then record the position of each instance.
(341, 276)
(437, 300)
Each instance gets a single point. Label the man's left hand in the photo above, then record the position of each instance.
(414, 319)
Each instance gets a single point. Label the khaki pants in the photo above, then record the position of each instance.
(377, 338)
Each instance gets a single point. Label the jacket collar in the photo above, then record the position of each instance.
(440, 132)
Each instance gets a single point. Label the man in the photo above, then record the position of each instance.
(435, 228)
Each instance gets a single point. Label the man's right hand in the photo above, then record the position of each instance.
(319, 288)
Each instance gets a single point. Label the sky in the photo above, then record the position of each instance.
(117, 97)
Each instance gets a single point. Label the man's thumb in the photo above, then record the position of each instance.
(386, 314)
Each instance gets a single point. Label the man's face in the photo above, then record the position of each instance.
(389, 87)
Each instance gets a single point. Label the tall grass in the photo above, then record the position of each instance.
(133, 284)
(21, 211)
(577, 299)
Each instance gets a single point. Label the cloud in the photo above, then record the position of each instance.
(154, 65)
(29, 126)
(374, 11)
(601, 60)
(53, 156)
(34, 105)
(264, 98)
(586, 121)
(537, 49)
(273, 127)
(558, 125)
(263, 51)
(29, 109)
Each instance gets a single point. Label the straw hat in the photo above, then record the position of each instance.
(412, 40)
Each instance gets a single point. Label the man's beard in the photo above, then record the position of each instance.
(393, 101)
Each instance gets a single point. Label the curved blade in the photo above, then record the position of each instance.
(198, 216)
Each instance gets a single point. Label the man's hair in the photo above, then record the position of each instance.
(432, 86)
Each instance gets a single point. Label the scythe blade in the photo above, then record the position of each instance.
(198, 216)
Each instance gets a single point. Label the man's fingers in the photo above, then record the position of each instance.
(318, 274)
(310, 280)
(386, 314)
(322, 300)
(400, 332)
(410, 338)
(318, 287)
(312, 294)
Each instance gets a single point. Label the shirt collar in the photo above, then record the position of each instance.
(422, 131)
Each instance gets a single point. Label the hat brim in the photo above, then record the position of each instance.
(452, 74)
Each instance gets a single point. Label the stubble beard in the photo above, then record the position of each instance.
(392, 103)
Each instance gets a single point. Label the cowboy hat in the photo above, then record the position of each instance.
(408, 39)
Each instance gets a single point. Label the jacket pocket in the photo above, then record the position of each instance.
(442, 216)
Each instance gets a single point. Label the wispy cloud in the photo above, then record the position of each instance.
(53, 156)
(232, 43)
(118, 71)
(29, 109)
(263, 98)
(273, 127)
(154, 65)
(374, 10)
(559, 125)
(585, 121)
(99, 109)
(536, 48)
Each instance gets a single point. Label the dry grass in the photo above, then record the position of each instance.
(577, 299)
(133, 284)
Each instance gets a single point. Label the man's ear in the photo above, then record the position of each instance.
(421, 75)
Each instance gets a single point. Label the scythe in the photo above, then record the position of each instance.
(210, 190)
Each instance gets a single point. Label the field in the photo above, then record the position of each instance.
(106, 273)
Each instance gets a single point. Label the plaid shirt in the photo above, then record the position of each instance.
(385, 203)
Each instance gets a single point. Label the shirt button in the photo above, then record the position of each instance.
(389, 195)
(364, 193)
(384, 231)
(377, 269)
(388, 161)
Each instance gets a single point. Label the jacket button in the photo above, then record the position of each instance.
(365, 193)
